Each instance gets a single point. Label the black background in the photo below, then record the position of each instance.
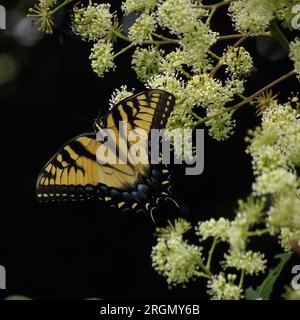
(81, 250)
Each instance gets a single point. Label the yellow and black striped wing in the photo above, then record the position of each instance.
(75, 174)
(72, 174)
(147, 110)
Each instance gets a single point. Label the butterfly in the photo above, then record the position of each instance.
(75, 172)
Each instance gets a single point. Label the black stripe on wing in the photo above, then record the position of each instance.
(65, 160)
(157, 104)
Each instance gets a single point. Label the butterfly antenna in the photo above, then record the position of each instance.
(98, 115)
(81, 118)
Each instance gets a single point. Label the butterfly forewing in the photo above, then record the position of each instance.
(72, 174)
(146, 110)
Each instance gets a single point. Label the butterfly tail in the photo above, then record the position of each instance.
(182, 207)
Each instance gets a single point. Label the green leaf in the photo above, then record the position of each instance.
(251, 294)
(265, 290)
(17, 297)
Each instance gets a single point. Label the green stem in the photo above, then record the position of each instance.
(121, 35)
(203, 275)
(195, 115)
(242, 279)
(185, 73)
(124, 50)
(211, 252)
(248, 99)
(60, 6)
(155, 42)
(241, 35)
(212, 54)
(165, 38)
(206, 270)
(211, 14)
(258, 233)
(241, 96)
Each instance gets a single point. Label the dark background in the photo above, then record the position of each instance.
(75, 251)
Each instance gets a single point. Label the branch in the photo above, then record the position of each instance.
(211, 252)
(60, 6)
(241, 35)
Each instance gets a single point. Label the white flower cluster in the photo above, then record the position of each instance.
(289, 238)
(146, 62)
(250, 16)
(222, 288)
(252, 210)
(47, 3)
(142, 28)
(179, 16)
(238, 233)
(129, 6)
(295, 55)
(213, 228)
(180, 262)
(239, 62)
(200, 91)
(250, 262)
(275, 150)
(96, 23)
(93, 22)
(174, 61)
(41, 15)
(197, 43)
(119, 94)
(256, 15)
(102, 58)
(175, 259)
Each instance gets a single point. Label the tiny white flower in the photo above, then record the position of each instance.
(176, 260)
(288, 238)
(295, 54)
(220, 288)
(179, 16)
(251, 16)
(213, 228)
(142, 28)
(93, 22)
(102, 57)
(119, 94)
(250, 262)
(146, 62)
(238, 61)
(129, 6)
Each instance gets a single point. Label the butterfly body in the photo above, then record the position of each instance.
(75, 173)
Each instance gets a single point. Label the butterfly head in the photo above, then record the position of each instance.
(98, 125)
